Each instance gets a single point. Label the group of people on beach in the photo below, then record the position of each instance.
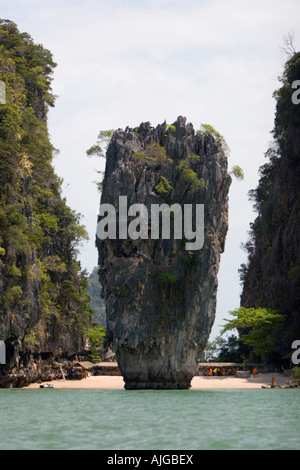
(223, 371)
(219, 371)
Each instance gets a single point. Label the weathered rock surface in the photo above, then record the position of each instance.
(35, 370)
(271, 278)
(160, 297)
(43, 301)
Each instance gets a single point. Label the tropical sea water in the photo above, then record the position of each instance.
(149, 420)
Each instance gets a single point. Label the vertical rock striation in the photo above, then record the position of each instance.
(271, 277)
(161, 297)
(44, 308)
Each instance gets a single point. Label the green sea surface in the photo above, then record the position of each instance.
(67, 419)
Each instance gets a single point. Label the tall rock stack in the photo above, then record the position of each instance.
(161, 293)
(44, 309)
(271, 278)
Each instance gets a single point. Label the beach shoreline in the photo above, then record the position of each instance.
(198, 382)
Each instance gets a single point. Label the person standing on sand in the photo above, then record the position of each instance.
(273, 380)
(254, 372)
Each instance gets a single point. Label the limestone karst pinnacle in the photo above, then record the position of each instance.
(160, 297)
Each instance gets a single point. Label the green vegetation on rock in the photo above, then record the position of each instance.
(43, 297)
(237, 172)
(152, 153)
(209, 129)
(271, 275)
(163, 186)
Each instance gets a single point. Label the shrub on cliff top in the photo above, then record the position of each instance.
(152, 153)
(209, 129)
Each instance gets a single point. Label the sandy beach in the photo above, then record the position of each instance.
(198, 382)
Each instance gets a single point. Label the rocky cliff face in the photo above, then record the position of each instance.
(43, 302)
(161, 293)
(272, 276)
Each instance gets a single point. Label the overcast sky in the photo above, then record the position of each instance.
(123, 62)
